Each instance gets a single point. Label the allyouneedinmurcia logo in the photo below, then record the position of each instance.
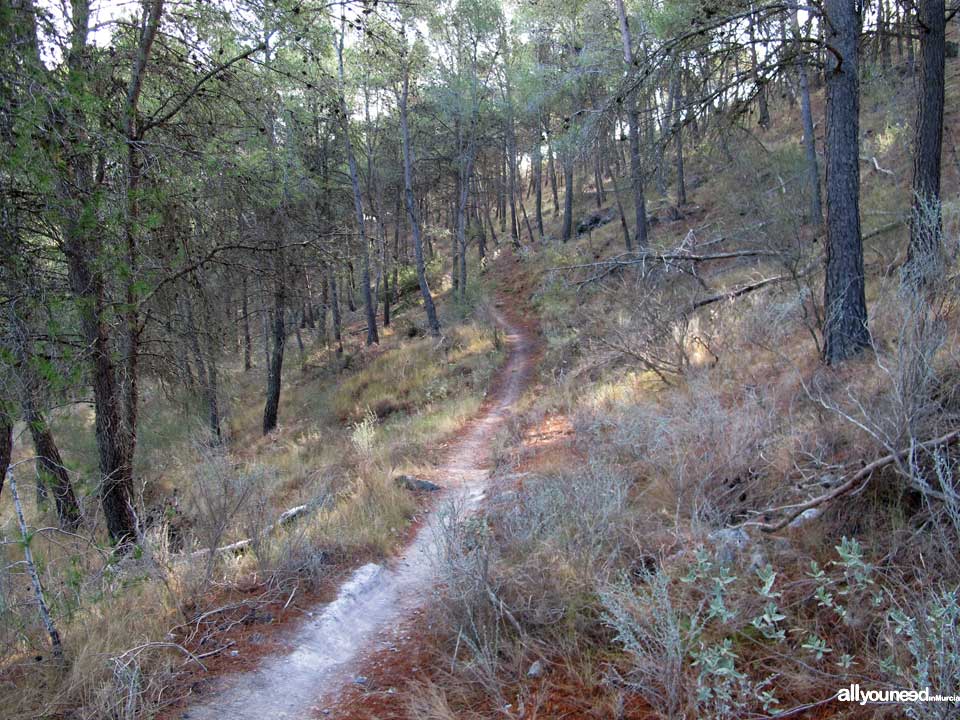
(856, 694)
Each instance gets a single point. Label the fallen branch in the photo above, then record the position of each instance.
(628, 259)
(876, 165)
(737, 292)
(861, 477)
(123, 659)
(499, 606)
(240, 546)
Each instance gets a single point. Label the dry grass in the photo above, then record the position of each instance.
(745, 421)
(344, 434)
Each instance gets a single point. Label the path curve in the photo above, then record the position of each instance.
(376, 597)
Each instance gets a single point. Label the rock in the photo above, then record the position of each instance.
(416, 484)
(803, 518)
(729, 543)
(536, 670)
(593, 221)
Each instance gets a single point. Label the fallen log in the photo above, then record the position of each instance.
(860, 478)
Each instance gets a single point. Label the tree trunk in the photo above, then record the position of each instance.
(567, 233)
(115, 453)
(55, 641)
(264, 323)
(512, 170)
(6, 445)
(764, 119)
(883, 32)
(455, 244)
(481, 238)
(538, 182)
(923, 257)
(845, 323)
(51, 472)
(247, 344)
(432, 321)
(324, 307)
(371, 313)
(335, 308)
(809, 139)
(82, 245)
(275, 368)
(552, 170)
(633, 122)
(676, 91)
(465, 174)
(212, 348)
(601, 193)
(52, 475)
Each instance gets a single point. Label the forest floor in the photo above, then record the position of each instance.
(313, 666)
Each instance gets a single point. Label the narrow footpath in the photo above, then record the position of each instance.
(323, 656)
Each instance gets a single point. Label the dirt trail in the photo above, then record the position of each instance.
(325, 653)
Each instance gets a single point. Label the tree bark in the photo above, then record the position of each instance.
(676, 92)
(51, 472)
(6, 445)
(466, 173)
(82, 248)
(52, 475)
(55, 641)
(324, 307)
(845, 310)
(371, 313)
(538, 181)
(431, 311)
(926, 223)
(764, 108)
(567, 232)
(275, 368)
(551, 168)
(335, 307)
(247, 344)
(633, 123)
(512, 168)
(809, 139)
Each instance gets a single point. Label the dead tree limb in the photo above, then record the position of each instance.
(55, 642)
(738, 292)
(286, 517)
(860, 478)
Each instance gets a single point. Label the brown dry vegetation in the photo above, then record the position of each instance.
(144, 632)
(605, 546)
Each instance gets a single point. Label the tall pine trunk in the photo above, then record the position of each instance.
(6, 445)
(247, 344)
(371, 313)
(806, 114)
(51, 472)
(279, 329)
(923, 257)
(432, 322)
(567, 232)
(845, 309)
(633, 123)
(538, 183)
